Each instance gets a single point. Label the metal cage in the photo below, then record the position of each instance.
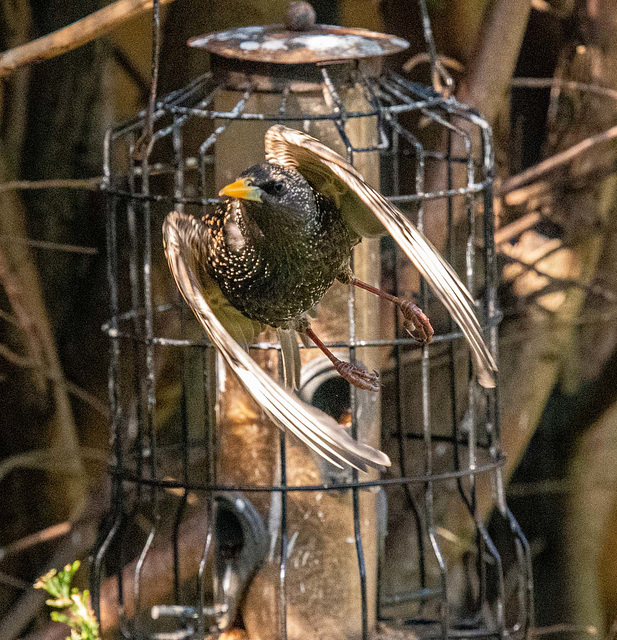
(216, 517)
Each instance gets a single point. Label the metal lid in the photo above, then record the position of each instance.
(320, 43)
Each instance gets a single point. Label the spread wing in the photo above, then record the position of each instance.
(189, 237)
(183, 238)
(330, 173)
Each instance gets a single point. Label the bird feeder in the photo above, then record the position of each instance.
(218, 520)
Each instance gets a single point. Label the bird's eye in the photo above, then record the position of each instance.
(274, 188)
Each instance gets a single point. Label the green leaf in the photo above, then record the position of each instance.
(75, 608)
(57, 616)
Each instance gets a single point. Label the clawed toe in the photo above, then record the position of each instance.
(417, 333)
(358, 376)
(416, 322)
(355, 374)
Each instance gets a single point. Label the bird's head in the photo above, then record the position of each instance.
(276, 198)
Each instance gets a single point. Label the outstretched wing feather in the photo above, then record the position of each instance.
(318, 163)
(316, 429)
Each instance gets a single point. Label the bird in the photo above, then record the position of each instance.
(267, 254)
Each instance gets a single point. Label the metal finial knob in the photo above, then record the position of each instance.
(300, 16)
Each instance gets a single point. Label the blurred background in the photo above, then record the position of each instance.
(543, 73)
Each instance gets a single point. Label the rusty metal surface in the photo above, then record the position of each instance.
(273, 43)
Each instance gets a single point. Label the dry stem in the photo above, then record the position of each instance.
(25, 322)
(556, 161)
(75, 35)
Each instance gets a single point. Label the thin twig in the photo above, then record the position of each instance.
(25, 322)
(538, 487)
(15, 358)
(562, 283)
(7, 317)
(442, 64)
(85, 396)
(423, 58)
(555, 162)
(12, 581)
(563, 628)
(94, 183)
(131, 70)
(72, 388)
(75, 35)
(142, 145)
(547, 83)
(87, 184)
(482, 88)
(488, 75)
(52, 460)
(76, 545)
(57, 420)
(31, 540)
(52, 246)
(524, 194)
(516, 228)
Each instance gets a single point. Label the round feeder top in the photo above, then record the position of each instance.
(317, 43)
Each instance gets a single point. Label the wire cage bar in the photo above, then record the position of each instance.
(182, 552)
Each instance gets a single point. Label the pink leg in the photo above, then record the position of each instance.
(416, 322)
(354, 373)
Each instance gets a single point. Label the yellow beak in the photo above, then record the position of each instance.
(241, 189)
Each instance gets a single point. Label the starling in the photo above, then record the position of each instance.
(270, 251)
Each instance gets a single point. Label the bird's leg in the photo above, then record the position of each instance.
(354, 373)
(416, 322)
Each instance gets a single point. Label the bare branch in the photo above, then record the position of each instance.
(77, 545)
(424, 58)
(7, 317)
(483, 86)
(523, 195)
(75, 35)
(563, 629)
(488, 75)
(15, 358)
(25, 322)
(514, 229)
(87, 184)
(547, 83)
(85, 397)
(53, 246)
(39, 537)
(556, 161)
(12, 581)
(51, 459)
(75, 390)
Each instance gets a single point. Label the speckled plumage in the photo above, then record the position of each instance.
(270, 252)
(274, 260)
(266, 255)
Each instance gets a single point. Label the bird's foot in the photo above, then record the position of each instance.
(416, 322)
(357, 375)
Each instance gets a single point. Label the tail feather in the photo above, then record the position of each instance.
(290, 355)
